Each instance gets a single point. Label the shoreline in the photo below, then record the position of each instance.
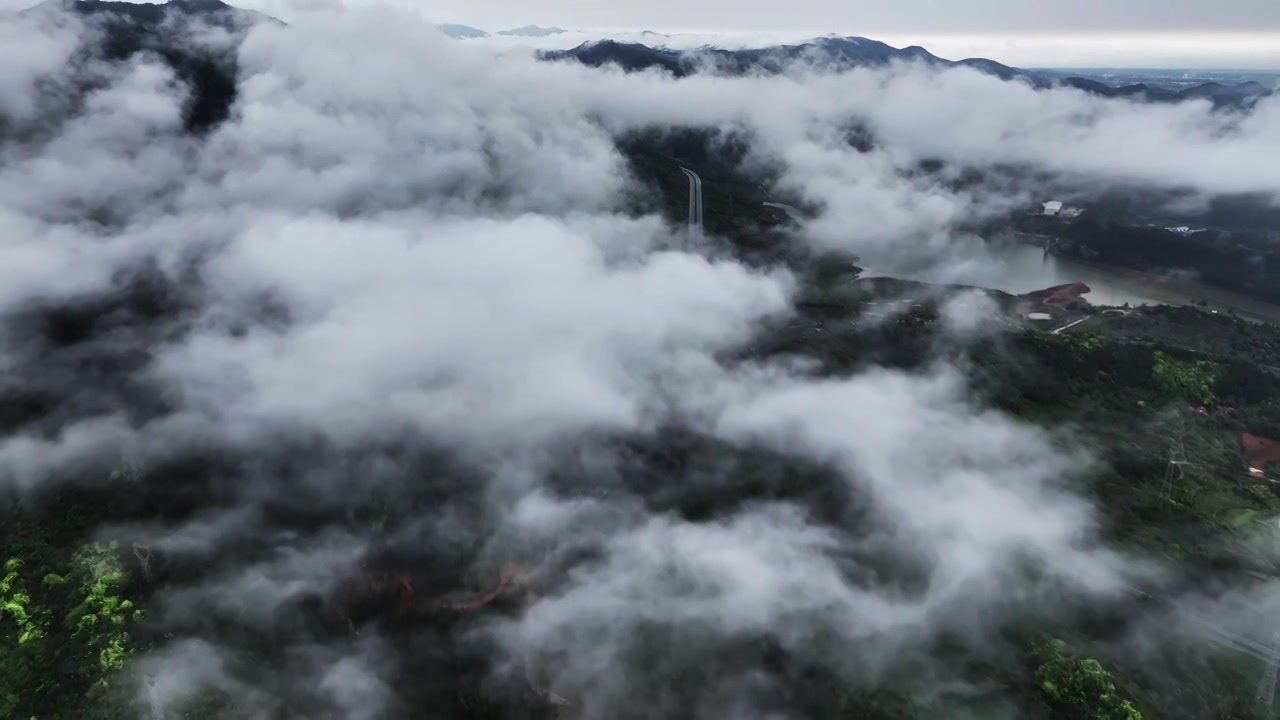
(1243, 305)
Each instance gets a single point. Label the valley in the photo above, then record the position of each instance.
(354, 370)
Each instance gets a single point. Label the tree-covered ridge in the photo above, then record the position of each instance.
(1080, 684)
(1190, 381)
(16, 603)
(64, 637)
(102, 617)
(1130, 398)
(1241, 261)
(315, 574)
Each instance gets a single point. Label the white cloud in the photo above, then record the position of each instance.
(949, 508)
(28, 52)
(397, 238)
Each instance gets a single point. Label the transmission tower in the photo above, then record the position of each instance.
(1267, 684)
(1173, 471)
(153, 698)
(143, 553)
(130, 469)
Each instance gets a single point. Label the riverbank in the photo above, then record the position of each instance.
(1022, 263)
(1169, 287)
(1195, 291)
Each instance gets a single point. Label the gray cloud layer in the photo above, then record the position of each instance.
(399, 238)
(982, 16)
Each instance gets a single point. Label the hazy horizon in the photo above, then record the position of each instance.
(353, 371)
(1248, 52)
(1243, 35)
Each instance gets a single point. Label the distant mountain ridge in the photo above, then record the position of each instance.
(1242, 95)
(839, 53)
(461, 32)
(466, 32)
(843, 53)
(533, 31)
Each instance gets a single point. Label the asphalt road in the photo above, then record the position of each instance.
(695, 204)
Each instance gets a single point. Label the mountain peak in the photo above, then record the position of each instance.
(917, 52)
(195, 6)
(138, 9)
(154, 14)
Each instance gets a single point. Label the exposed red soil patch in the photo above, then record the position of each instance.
(1259, 450)
(393, 594)
(1059, 294)
(509, 575)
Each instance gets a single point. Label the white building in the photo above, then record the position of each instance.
(1053, 207)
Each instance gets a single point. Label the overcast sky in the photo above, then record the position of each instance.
(1036, 33)
(1044, 33)
(971, 16)
(401, 255)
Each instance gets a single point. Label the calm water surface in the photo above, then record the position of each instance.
(1018, 268)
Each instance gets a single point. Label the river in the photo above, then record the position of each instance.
(1020, 268)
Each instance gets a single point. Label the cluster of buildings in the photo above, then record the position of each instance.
(1060, 210)
(1056, 208)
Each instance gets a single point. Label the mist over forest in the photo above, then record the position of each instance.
(355, 371)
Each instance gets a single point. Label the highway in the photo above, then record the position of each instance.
(1221, 636)
(1070, 325)
(695, 204)
(791, 212)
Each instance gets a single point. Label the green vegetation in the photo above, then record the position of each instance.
(1086, 341)
(1127, 399)
(22, 628)
(1240, 260)
(51, 669)
(1125, 387)
(1080, 683)
(100, 619)
(1119, 386)
(1192, 381)
(16, 603)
